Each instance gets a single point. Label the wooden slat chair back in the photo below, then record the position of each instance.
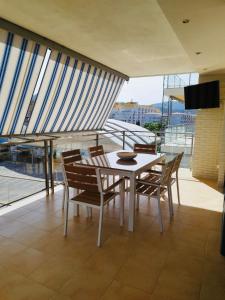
(167, 170)
(82, 178)
(156, 186)
(145, 148)
(93, 195)
(175, 170)
(177, 162)
(173, 179)
(71, 156)
(96, 150)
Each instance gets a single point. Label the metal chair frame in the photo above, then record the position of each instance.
(96, 151)
(70, 157)
(175, 171)
(93, 195)
(156, 187)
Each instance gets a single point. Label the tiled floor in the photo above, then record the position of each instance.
(36, 262)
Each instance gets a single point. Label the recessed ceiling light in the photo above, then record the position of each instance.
(198, 52)
(185, 21)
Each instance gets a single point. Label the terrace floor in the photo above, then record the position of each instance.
(37, 262)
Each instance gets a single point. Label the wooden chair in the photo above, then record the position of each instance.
(93, 195)
(155, 186)
(96, 150)
(69, 158)
(145, 148)
(174, 174)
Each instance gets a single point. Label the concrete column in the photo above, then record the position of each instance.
(209, 147)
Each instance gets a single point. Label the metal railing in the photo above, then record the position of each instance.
(178, 81)
(23, 169)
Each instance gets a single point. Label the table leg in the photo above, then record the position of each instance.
(132, 202)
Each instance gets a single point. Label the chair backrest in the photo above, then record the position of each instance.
(167, 171)
(71, 156)
(145, 148)
(177, 162)
(95, 151)
(81, 177)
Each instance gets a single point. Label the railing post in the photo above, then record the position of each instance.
(222, 245)
(51, 166)
(46, 166)
(124, 136)
(192, 143)
(185, 136)
(97, 139)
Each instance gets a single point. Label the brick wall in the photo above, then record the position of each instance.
(209, 147)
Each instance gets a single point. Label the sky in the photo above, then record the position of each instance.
(149, 90)
(145, 90)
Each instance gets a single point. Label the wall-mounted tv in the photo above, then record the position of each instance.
(203, 95)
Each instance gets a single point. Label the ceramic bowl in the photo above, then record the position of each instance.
(126, 155)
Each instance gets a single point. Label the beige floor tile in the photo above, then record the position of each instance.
(214, 273)
(56, 271)
(26, 262)
(25, 289)
(14, 286)
(212, 246)
(87, 283)
(8, 248)
(11, 228)
(60, 297)
(30, 217)
(48, 224)
(183, 263)
(173, 286)
(30, 235)
(142, 268)
(8, 277)
(16, 214)
(121, 292)
(210, 291)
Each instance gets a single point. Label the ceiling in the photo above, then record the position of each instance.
(135, 37)
(204, 33)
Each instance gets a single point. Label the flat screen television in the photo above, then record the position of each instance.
(203, 95)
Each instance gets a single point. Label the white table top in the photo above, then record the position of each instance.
(112, 161)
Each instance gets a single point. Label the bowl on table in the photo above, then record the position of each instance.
(125, 155)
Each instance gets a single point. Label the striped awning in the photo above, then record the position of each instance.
(43, 90)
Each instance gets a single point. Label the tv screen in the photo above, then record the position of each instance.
(203, 95)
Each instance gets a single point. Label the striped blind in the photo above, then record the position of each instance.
(72, 95)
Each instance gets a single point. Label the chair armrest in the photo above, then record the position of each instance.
(156, 172)
(148, 183)
(112, 186)
(161, 164)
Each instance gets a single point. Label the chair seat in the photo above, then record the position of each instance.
(148, 190)
(92, 198)
(154, 176)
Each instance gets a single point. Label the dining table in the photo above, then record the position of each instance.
(130, 169)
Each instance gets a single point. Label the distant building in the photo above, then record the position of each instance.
(132, 112)
(182, 118)
(134, 105)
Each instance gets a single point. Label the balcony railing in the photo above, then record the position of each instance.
(178, 81)
(22, 168)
